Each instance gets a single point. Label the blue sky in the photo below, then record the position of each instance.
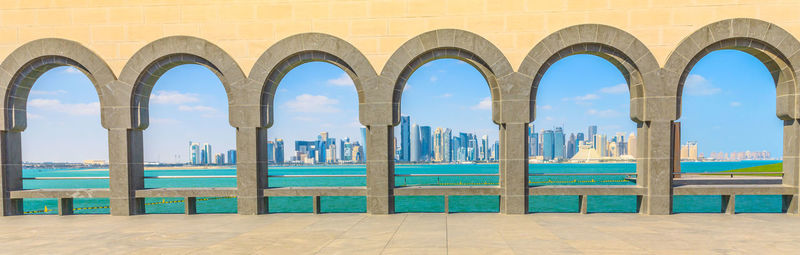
(728, 94)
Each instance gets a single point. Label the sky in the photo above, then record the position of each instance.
(728, 94)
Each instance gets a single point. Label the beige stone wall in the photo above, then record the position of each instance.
(116, 29)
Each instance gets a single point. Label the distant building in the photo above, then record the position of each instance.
(194, 153)
(405, 138)
(207, 154)
(219, 159)
(632, 145)
(592, 132)
(279, 155)
(447, 144)
(364, 140)
(270, 152)
(415, 151)
(558, 144)
(232, 157)
(571, 148)
(425, 145)
(548, 147)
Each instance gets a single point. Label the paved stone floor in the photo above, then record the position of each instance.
(402, 234)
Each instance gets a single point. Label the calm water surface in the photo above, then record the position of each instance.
(402, 204)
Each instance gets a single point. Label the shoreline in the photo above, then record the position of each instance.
(187, 168)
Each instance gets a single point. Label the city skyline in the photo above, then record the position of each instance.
(190, 98)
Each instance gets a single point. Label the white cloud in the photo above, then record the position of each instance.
(736, 104)
(616, 89)
(446, 95)
(696, 85)
(313, 104)
(71, 70)
(48, 92)
(548, 118)
(343, 80)
(603, 113)
(71, 109)
(173, 97)
(545, 107)
(434, 78)
(582, 98)
(485, 104)
(196, 108)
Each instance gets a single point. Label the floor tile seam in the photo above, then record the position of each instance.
(394, 233)
(339, 235)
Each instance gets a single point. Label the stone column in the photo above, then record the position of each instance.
(791, 163)
(125, 170)
(514, 168)
(380, 170)
(658, 181)
(251, 170)
(10, 171)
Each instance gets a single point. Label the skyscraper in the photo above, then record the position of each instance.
(532, 141)
(405, 140)
(558, 143)
(364, 140)
(535, 145)
(632, 145)
(232, 157)
(571, 148)
(447, 143)
(425, 145)
(219, 159)
(438, 145)
(279, 155)
(592, 132)
(207, 154)
(194, 153)
(415, 151)
(484, 148)
(270, 152)
(547, 145)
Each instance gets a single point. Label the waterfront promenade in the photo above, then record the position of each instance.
(403, 234)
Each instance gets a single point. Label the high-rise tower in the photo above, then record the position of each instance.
(405, 140)
(425, 145)
(414, 157)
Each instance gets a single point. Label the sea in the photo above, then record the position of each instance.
(334, 204)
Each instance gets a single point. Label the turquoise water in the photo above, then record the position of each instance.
(402, 203)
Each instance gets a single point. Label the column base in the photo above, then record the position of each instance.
(513, 204)
(11, 207)
(126, 206)
(380, 205)
(251, 205)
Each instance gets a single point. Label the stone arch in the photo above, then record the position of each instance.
(776, 48)
(633, 59)
(286, 54)
(28, 62)
(438, 44)
(147, 65)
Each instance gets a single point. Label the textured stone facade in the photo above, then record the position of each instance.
(654, 45)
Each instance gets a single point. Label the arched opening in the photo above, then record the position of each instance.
(63, 138)
(446, 136)
(188, 134)
(583, 133)
(316, 139)
(728, 125)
